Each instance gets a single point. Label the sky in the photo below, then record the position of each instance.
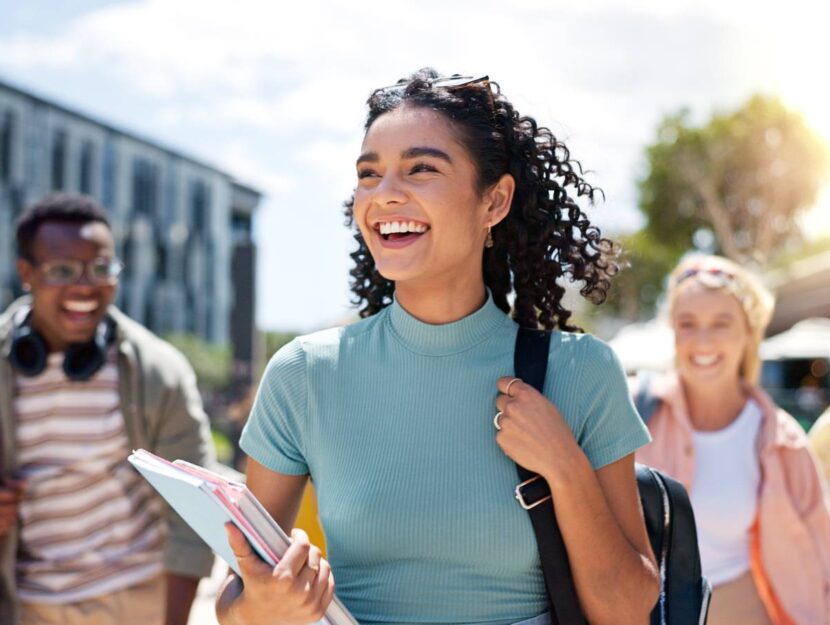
(275, 92)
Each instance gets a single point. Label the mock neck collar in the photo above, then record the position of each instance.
(448, 338)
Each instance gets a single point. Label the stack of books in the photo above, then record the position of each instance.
(207, 500)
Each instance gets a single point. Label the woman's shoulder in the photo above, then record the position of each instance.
(819, 434)
(791, 452)
(790, 430)
(580, 347)
(585, 363)
(577, 340)
(781, 429)
(309, 350)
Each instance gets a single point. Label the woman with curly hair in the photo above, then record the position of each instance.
(763, 523)
(461, 203)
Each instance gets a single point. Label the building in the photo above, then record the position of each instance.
(797, 367)
(802, 290)
(181, 226)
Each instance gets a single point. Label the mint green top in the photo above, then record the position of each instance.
(393, 419)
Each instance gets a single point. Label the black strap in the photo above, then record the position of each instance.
(531, 363)
(645, 401)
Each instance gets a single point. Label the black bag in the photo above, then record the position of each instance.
(645, 402)
(684, 592)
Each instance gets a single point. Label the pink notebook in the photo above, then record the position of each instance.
(207, 500)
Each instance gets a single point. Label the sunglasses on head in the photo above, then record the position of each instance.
(711, 276)
(450, 82)
(99, 272)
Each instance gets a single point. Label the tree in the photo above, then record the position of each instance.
(734, 186)
(276, 340)
(212, 363)
(745, 176)
(645, 263)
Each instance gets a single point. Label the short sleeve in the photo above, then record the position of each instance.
(611, 428)
(273, 435)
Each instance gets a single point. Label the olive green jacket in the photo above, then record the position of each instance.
(163, 413)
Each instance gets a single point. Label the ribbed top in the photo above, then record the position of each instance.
(392, 418)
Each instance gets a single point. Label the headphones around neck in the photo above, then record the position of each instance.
(29, 352)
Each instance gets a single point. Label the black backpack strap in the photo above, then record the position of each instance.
(533, 493)
(684, 592)
(686, 596)
(645, 402)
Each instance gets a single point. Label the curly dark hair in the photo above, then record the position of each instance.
(545, 236)
(61, 207)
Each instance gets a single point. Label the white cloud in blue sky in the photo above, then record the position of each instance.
(274, 92)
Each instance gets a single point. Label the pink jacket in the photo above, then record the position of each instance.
(790, 542)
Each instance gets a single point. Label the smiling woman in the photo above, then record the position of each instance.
(763, 523)
(461, 203)
(547, 235)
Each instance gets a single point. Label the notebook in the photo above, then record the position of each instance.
(207, 500)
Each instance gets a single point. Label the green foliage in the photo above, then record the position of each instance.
(672, 210)
(646, 262)
(809, 249)
(275, 340)
(212, 363)
(744, 175)
(733, 186)
(223, 446)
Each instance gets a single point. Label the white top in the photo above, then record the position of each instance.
(724, 494)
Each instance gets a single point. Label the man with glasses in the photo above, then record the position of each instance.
(83, 539)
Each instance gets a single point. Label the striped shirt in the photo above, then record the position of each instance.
(90, 524)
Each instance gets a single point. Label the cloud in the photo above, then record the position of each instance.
(237, 157)
(275, 92)
(280, 67)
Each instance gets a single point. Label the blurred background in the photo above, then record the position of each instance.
(222, 137)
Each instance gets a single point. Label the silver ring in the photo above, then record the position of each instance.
(509, 384)
(496, 420)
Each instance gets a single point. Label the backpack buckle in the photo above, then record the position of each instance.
(522, 497)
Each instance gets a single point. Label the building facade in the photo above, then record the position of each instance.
(181, 226)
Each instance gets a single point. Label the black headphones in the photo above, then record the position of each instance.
(28, 354)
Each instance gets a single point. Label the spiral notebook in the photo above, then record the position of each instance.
(207, 500)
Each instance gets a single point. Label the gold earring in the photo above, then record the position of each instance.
(488, 242)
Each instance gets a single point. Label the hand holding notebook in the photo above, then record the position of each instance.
(207, 501)
(297, 590)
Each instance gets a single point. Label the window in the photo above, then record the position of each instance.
(109, 173)
(169, 216)
(7, 136)
(241, 229)
(86, 165)
(59, 160)
(162, 266)
(145, 187)
(129, 255)
(200, 207)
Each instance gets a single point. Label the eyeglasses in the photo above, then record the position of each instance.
(712, 277)
(100, 271)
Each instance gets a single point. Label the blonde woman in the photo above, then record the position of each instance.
(763, 521)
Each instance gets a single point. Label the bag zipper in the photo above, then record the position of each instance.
(664, 547)
(704, 604)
